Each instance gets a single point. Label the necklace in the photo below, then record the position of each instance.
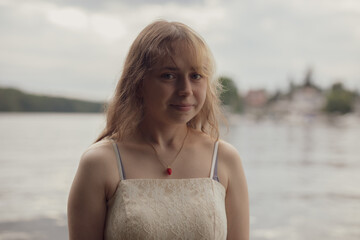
(168, 166)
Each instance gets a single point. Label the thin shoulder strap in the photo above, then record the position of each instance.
(119, 163)
(213, 172)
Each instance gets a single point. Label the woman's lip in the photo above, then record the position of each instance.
(182, 107)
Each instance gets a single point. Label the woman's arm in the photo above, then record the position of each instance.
(87, 199)
(236, 202)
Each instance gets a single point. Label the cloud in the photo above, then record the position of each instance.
(69, 18)
(78, 47)
(274, 39)
(97, 5)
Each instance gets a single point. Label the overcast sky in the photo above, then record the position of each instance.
(77, 48)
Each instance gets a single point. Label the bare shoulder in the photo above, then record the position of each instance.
(202, 139)
(237, 201)
(91, 188)
(99, 154)
(228, 154)
(230, 168)
(98, 150)
(98, 163)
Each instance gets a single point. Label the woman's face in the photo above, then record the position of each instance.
(173, 91)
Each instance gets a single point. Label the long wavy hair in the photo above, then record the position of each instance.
(125, 110)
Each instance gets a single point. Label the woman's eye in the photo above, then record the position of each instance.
(196, 76)
(168, 76)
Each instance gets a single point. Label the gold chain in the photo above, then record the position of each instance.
(177, 154)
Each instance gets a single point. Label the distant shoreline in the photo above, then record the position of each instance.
(49, 113)
(15, 100)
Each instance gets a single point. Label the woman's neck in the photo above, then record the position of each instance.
(162, 135)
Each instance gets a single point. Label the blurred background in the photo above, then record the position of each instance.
(291, 74)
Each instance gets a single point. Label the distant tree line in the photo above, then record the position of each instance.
(14, 100)
(230, 96)
(340, 100)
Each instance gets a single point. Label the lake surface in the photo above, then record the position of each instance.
(303, 179)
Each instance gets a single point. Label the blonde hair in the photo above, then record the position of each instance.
(125, 110)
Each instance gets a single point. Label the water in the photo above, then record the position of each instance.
(303, 179)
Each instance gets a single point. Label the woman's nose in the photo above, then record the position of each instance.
(184, 86)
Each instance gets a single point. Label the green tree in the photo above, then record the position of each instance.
(14, 100)
(339, 100)
(229, 95)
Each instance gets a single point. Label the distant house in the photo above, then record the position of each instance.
(280, 106)
(255, 102)
(306, 101)
(301, 103)
(256, 98)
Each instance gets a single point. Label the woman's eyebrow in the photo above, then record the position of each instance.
(169, 68)
(172, 68)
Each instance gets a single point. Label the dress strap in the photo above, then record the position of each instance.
(213, 172)
(118, 158)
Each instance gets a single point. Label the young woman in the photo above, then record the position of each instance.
(159, 170)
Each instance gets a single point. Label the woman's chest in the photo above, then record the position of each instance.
(190, 210)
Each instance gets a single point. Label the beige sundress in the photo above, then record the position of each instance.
(191, 208)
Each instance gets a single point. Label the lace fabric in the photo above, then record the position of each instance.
(192, 208)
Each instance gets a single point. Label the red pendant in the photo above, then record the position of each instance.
(169, 171)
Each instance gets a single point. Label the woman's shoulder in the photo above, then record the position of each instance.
(99, 155)
(225, 149)
(228, 151)
(98, 148)
(98, 166)
(229, 159)
(202, 138)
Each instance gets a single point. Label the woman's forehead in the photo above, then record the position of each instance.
(180, 55)
(176, 62)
